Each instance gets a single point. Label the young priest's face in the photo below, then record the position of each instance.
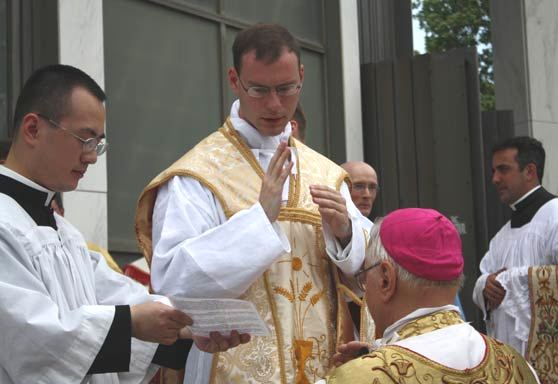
(60, 151)
(270, 113)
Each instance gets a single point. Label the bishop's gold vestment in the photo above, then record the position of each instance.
(396, 364)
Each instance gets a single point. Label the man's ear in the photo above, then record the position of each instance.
(387, 286)
(531, 172)
(29, 129)
(294, 128)
(234, 81)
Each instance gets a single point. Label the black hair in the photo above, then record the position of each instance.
(48, 90)
(529, 150)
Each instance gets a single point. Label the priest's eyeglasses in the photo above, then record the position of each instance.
(259, 91)
(360, 276)
(97, 144)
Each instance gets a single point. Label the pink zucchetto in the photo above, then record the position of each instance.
(423, 242)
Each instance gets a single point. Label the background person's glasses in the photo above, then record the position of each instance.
(259, 91)
(96, 144)
(361, 187)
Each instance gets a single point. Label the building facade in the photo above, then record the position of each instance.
(163, 65)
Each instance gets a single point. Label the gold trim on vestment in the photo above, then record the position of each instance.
(501, 364)
(367, 326)
(232, 135)
(350, 294)
(367, 330)
(299, 215)
(278, 331)
(214, 363)
(429, 323)
(340, 181)
(542, 347)
(395, 364)
(366, 237)
(295, 186)
(293, 191)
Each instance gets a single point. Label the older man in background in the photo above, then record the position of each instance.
(364, 185)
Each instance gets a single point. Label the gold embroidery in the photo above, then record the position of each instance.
(259, 361)
(542, 348)
(345, 291)
(277, 328)
(214, 364)
(295, 181)
(432, 322)
(232, 135)
(367, 325)
(300, 215)
(304, 296)
(395, 364)
(297, 263)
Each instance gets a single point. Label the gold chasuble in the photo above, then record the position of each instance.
(542, 349)
(398, 365)
(297, 296)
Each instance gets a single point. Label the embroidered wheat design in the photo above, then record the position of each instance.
(283, 292)
(315, 298)
(305, 291)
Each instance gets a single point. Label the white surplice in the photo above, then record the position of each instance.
(458, 346)
(533, 244)
(57, 302)
(197, 252)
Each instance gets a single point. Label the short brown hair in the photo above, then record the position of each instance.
(268, 40)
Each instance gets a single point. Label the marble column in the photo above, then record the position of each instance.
(524, 35)
(350, 59)
(81, 45)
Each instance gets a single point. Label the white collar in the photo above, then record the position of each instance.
(512, 206)
(24, 180)
(253, 138)
(391, 335)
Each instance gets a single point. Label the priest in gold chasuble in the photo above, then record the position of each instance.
(252, 213)
(414, 267)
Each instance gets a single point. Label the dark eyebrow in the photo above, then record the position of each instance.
(91, 132)
(501, 167)
(254, 84)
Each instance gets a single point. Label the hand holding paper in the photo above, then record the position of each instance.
(221, 315)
